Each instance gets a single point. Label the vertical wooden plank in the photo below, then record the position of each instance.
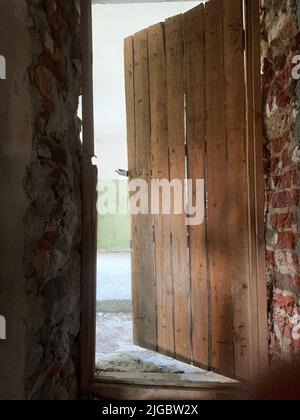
(194, 39)
(160, 171)
(180, 260)
(131, 151)
(87, 80)
(219, 206)
(93, 268)
(256, 190)
(237, 186)
(89, 222)
(130, 108)
(144, 285)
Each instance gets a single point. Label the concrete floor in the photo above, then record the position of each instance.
(114, 276)
(114, 333)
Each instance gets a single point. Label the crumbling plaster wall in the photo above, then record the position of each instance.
(52, 259)
(281, 96)
(40, 212)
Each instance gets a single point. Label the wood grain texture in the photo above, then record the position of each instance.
(194, 40)
(199, 292)
(207, 391)
(144, 283)
(221, 309)
(131, 150)
(237, 186)
(259, 330)
(176, 140)
(130, 104)
(160, 171)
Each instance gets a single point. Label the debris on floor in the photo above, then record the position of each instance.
(142, 361)
(116, 353)
(149, 362)
(114, 333)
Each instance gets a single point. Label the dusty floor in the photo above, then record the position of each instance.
(116, 353)
(114, 333)
(150, 363)
(114, 276)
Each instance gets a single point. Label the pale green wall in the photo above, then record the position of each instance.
(113, 229)
(113, 233)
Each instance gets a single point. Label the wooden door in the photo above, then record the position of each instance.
(196, 289)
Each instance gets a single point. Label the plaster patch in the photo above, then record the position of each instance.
(2, 68)
(284, 262)
(2, 328)
(275, 26)
(296, 156)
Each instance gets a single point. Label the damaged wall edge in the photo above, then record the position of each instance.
(52, 258)
(280, 43)
(40, 178)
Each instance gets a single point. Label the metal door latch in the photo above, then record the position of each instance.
(122, 172)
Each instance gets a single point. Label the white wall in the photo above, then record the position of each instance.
(111, 24)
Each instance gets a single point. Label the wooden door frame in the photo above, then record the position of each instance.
(89, 385)
(89, 222)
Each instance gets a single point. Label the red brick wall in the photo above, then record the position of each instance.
(281, 152)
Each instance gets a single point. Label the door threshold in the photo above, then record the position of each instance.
(146, 367)
(189, 380)
(157, 391)
(168, 379)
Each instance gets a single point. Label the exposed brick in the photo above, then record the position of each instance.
(271, 258)
(286, 220)
(55, 68)
(47, 241)
(296, 261)
(286, 158)
(269, 72)
(279, 143)
(282, 281)
(273, 220)
(284, 199)
(287, 240)
(54, 370)
(43, 79)
(289, 179)
(286, 303)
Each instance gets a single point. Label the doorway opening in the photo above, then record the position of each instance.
(197, 292)
(116, 352)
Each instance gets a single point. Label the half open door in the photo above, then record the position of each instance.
(195, 292)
